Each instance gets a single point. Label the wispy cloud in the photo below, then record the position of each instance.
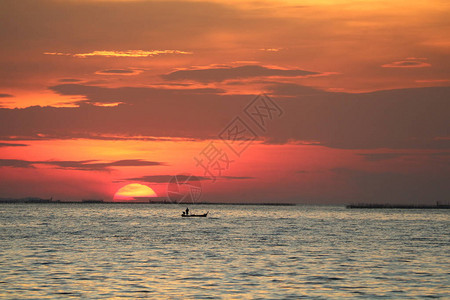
(271, 49)
(433, 80)
(302, 172)
(221, 73)
(58, 53)
(114, 53)
(374, 157)
(83, 165)
(167, 178)
(125, 72)
(410, 62)
(6, 96)
(381, 156)
(69, 80)
(122, 95)
(94, 136)
(12, 145)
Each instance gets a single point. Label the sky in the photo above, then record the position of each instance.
(309, 102)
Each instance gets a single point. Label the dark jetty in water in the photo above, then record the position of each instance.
(399, 206)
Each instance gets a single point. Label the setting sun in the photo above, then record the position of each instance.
(134, 191)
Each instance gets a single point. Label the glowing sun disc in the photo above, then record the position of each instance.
(134, 191)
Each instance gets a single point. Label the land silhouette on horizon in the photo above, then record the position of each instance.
(164, 200)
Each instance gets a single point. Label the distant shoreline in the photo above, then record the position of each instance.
(397, 206)
(32, 200)
(49, 201)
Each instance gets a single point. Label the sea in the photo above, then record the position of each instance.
(131, 251)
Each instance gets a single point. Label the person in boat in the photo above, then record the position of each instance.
(187, 211)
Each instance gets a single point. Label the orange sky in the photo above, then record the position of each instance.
(95, 95)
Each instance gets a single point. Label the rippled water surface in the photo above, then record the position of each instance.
(266, 252)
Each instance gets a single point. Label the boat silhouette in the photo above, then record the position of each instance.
(184, 215)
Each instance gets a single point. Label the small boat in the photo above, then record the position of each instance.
(192, 215)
